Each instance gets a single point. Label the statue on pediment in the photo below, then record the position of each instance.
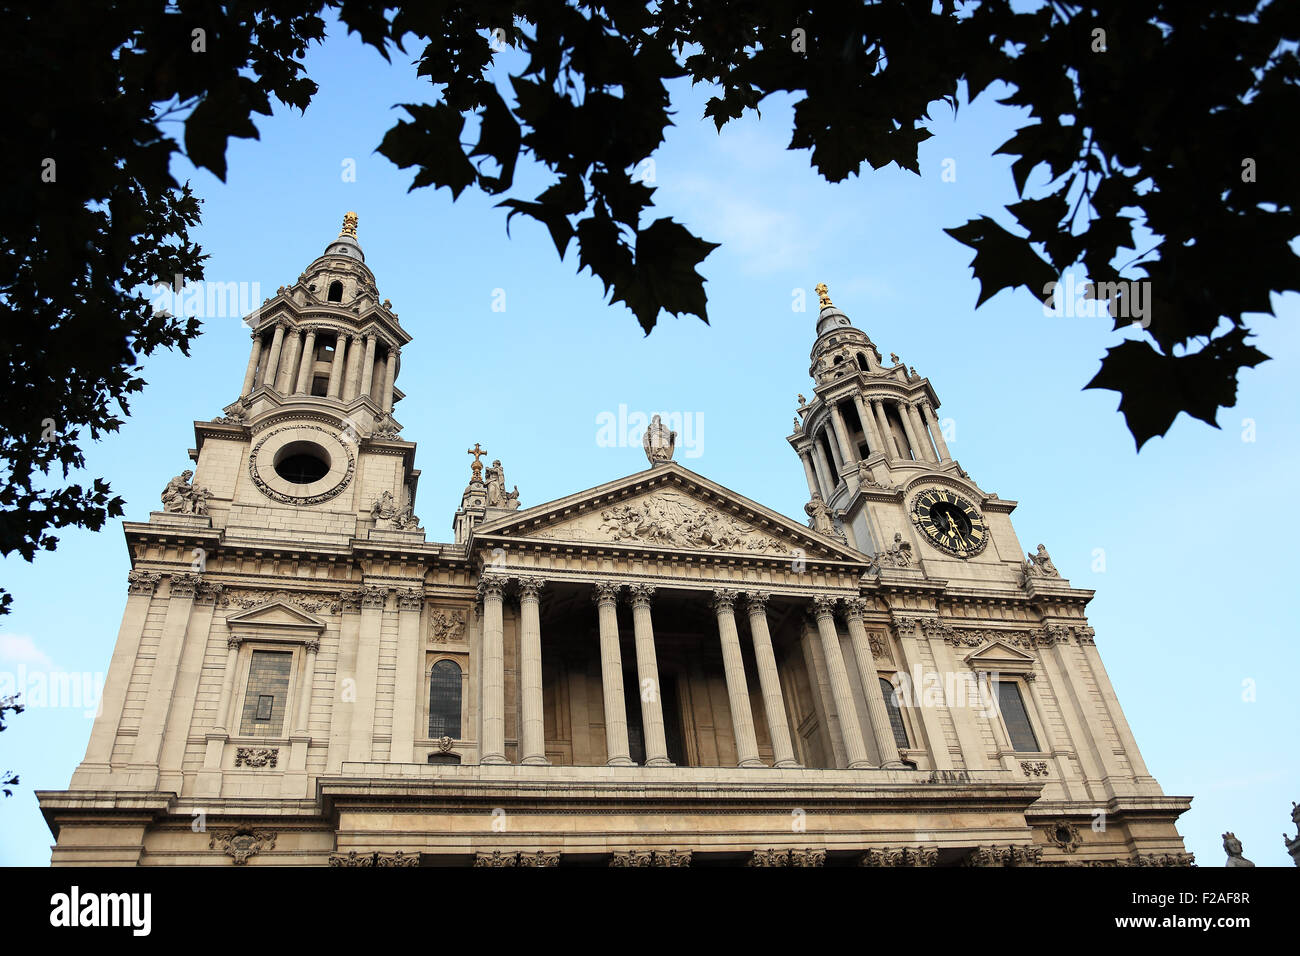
(658, 442)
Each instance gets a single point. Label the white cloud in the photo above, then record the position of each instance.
(21, 649)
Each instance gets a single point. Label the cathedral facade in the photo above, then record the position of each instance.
(656, 671)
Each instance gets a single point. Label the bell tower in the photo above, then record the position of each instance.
(313, 432)
(869, 427)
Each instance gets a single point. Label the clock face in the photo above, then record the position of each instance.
(950, 522)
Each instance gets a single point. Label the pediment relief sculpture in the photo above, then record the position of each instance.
(672, 521)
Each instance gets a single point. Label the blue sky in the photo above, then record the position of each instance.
(1192, 612)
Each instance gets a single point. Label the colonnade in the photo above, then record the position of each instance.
(288, 363)
(532, 745)
(831, 452)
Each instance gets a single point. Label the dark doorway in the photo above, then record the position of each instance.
(672, 718)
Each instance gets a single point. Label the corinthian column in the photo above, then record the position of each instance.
(305, 366)
(492, 748)
(936, 431)
(647, 672)
(303, 720)
(368, 365)
(770, 681)
(250, 374)
(390, 377)
(877, 713)
(611, 677)
(336, 368)
(742, 719)
(889, 445)
(922, 436)
(273, 358)
(850, 728)
(533, 729)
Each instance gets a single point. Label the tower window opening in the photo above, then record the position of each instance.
(862, 361)
(320, 386)
(302, 463)
(336, 292)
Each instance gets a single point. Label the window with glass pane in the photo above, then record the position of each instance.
(1016, 717)
(267, 694)
(895, 715)
(444, 700)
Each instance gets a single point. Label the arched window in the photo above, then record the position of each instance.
(862, 361)
(336, 292)
(895, 715)
(444, 700)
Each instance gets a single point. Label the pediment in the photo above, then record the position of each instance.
(276, 614)
(669, 508)
(999, 655)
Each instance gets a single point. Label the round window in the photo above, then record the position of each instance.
(302, 463)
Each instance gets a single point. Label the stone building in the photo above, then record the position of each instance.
(656, 671)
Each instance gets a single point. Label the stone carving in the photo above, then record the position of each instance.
(410, 599)
(311, 603)
(796, 857)
(1085, 635)
(1293, 846)
(1064, 834)
(867, 480)
(900, 856)
(658, 442)
(1165, 859)
(819, 515)
(399, 858)
(677, 521)
(1034, 768)
(257, 756)
(1049, 635)
(497, 496)
(384, 511)
(496, 858)
(1004, 856)
(180, 497)
(632, 858)
(373, 596)
(476, 469)
(386, 429)
(672, 858)
(446, 625)
(234, 414)
(242, 842)
(1232, 847)
(352, 858)
(275, 495)
(802, 401)
(893, 357)
(142, 582)
(880, 649)
(445, 744)
(185, 585)
(898, 556)
(1037, 566)
(540, 858)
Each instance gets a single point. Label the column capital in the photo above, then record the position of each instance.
(491, 586)
(724, 599)
(905, 625)
(233, 642)
(640, 595)
(604, 592)
(349, 599)
(756, 601)
(530, 587)
(854, 608)
(312, 646)
(410, 599)
(824, 606)
(373, 596)
(142, 582)
(184, 585)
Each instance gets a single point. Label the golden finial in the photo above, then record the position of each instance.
(349, 225)
(823, 293)
(477, 467)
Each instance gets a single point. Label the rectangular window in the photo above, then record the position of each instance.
(320, 385)
(267, 694)
(1016, 717)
